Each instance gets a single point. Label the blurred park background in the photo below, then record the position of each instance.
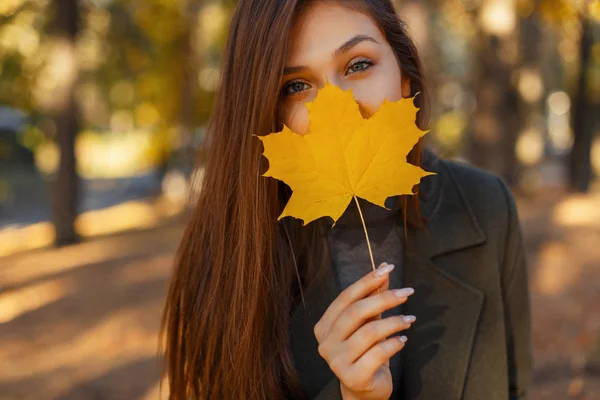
(103, 103)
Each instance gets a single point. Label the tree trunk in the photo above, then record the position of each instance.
(66, 187)
(580, 159)
(531, 110)
(496, 124)
(189, 82)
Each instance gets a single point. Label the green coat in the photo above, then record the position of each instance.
(471, 339)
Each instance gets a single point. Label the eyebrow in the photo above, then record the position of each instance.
(346, 47)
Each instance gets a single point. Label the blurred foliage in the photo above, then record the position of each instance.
(132, 59)
(496, 66)
(143, 62)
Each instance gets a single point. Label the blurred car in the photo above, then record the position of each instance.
(12, 123)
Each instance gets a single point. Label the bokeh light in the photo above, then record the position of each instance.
(498, 16)
(530, 147)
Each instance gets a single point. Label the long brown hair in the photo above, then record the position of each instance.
(238, 271)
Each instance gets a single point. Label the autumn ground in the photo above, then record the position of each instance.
(81, 322)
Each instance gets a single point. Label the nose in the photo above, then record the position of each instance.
(334, 79)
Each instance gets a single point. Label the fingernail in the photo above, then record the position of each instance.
(403, 339)
(405, 292)
(384, 270)
(409, 318)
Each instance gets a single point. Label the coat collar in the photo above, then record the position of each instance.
(450, 222)
(436, 357)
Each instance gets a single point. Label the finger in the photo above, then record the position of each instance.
(385, 286)
(352, 293)
(372, 333)
(380, 289)
(356, 315)
(375, 357)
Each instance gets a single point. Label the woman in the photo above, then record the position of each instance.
(260, 309)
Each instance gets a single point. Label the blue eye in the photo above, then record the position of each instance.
(359, 66)
(295, 87)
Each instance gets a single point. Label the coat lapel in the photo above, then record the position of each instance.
(436, 356)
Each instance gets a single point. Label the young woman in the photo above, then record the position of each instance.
(260, 309)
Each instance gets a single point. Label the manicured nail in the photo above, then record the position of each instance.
(404, 292)
(403, 339)
(383, 270)
(409, 318)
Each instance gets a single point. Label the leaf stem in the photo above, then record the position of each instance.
(366, 234)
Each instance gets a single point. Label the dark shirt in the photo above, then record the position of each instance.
(351, 260)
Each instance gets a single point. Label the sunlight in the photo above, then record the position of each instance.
(16, 303)
(146, 114)
(112, 342)
(62, 68)
(594, 9)
(578, 211)
(498, 17)
(175, 186)
(121, 121)
(530, 147)
(14, 239)
(559, 103)
(121, 217)
(123, 152)
(28, 42)
(531, 86)
(596, 154)
(212, 20)
(8, 7)
(560, 132)
(57, 76)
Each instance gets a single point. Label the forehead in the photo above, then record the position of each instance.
(322, 27)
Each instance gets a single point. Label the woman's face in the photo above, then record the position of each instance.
(345, 47)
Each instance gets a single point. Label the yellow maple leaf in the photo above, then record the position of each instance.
(344, 156)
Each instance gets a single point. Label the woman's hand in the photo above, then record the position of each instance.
(352, 335)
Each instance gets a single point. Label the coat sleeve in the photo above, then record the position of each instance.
(331, 391)
(517, 309)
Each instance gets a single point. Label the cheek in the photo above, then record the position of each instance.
(295, 117)
(386, 84)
